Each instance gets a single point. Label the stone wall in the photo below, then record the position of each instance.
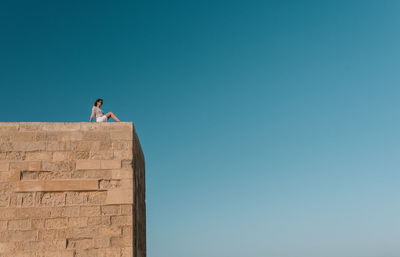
(71, 190)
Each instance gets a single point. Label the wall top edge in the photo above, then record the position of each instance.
(65, 125)
(84, 122)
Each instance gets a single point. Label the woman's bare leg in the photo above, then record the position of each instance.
(112, 115)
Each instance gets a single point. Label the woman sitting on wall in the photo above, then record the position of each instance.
(99, 114)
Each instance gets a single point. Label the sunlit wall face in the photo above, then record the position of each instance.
(270, 128)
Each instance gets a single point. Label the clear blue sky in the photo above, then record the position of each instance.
(270, 128)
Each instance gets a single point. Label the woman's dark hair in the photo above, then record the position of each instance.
(98, 100)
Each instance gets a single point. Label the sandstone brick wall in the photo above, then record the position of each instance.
(71, 190)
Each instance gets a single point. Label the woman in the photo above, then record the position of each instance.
(100, 116)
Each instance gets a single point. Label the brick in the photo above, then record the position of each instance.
(56, 212)
(126, 183)
(24, 165)
(126, 164)
(98, 135)
(5, 186)
(29, 175)
(56, 175)
(109, 184)
(7, 213)
(123, 154)
(85, 145)
(102, 242)
(122, 145)
(50, 199)
(32, 212)
(27, 199)
(29, 146)
(24, 224)
(101, 174)
(123, 134)
(58, 145)
(128, 252)
(6, 146)
(81, 232)
(70, 135)
(52, 234)
(18, 165)
(23, 136)
(57, 185)
(16, 156)
(121, 220)
(119, 196)
(60, 126)
(76, 198)
(87, 164)
(82, 243)
(46, 135)
(109, 231)
(34, 165)
(58, 253)
(61, 156)
(22, 200)
(78, 174)
(110, 210)
(91, 126)
(77, 222)
(101, 155)
(88, 253)
(37, 223)
(70, 211)
(127, 231)
(122, 173)
(110, 164)
(104, 144)
(90, 211)
(7, 247)
(126, 209)
(3, 225)
(97, 197)
(18, 235)
(58, 166)
(56, 223)
(80, 155)
(10, 176)
(110, 252)
(99, 220)
(121, 241)
(4, 165)
(25, 254)
(38, 156)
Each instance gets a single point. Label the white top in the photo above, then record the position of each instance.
(96, 111)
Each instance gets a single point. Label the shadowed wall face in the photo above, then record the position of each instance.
(71, 190)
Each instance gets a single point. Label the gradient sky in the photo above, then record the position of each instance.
(269, 128)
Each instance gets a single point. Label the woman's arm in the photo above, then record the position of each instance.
(92, 115)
